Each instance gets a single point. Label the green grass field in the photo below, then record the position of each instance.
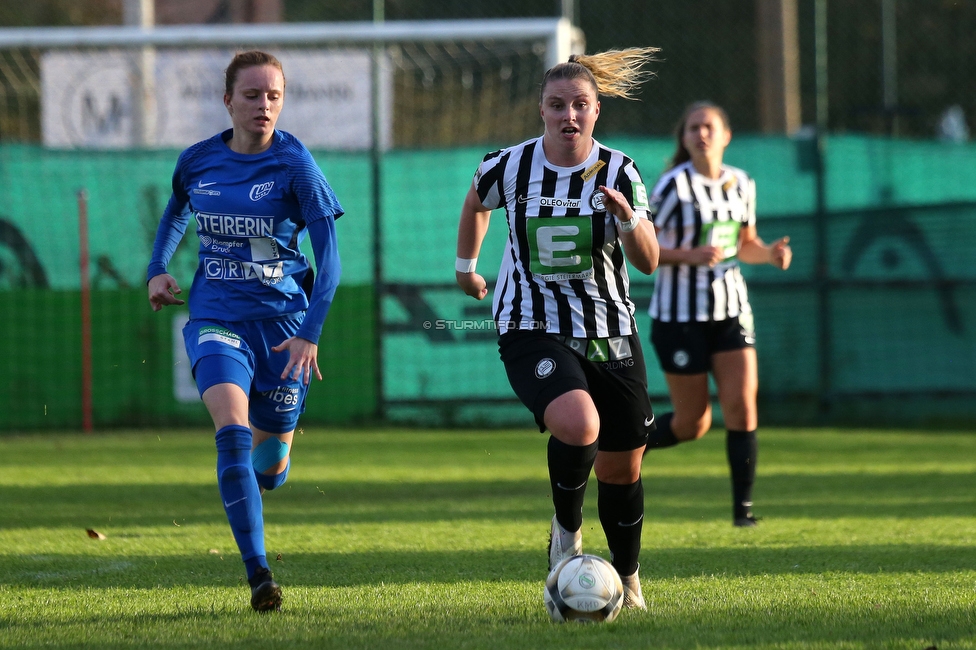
(412, 539)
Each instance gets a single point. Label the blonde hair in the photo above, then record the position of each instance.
(614, 73)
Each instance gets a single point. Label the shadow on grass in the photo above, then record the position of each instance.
(392, 567)
(826, 496)
(372, 624)
(441, 617)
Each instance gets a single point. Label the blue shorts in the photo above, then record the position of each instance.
(239, 352)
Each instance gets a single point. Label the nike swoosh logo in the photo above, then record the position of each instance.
(522, 199)
(227, 505)
(622, 524)
(278, 409)
(648, 421)
(570, 489)
(202, 184)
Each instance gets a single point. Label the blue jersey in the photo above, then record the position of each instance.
(252, 212)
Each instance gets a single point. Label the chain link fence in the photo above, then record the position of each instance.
(874, 323)
(893, 67)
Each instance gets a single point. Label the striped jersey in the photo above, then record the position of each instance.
(691, 210)
(563, 269)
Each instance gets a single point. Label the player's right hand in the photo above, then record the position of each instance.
(163, 290)
(705, 256)
(473, 284)
(780, 253)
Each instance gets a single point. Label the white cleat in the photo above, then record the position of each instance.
(563, 544)
(633, 598)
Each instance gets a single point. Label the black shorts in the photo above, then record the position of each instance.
(687, 348)
(542, 366)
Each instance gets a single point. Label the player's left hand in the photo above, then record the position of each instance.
(616, 203)
(303, 358)
(780, 253)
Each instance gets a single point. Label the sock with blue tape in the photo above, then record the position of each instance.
(265, 456)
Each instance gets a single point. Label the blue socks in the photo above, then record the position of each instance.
(240, 495)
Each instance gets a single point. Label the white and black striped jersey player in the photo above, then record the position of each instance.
(704, 212)
(575, 211)
(563, 269)
(688, 210)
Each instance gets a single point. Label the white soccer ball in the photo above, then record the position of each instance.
(585, 589)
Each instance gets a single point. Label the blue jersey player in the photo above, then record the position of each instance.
(256, 306)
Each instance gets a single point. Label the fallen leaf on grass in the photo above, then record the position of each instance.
(94, 534)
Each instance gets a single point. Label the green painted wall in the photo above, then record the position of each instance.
(133, 362)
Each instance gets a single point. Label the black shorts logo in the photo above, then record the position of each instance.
(544, 368)
(681, 358)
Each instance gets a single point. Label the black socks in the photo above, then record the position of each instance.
(742, 450)
(569, 470)
(622, 517)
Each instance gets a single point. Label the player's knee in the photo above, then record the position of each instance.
(578, 433)
(618, 468)
(573, 419)
(691, 428)
(272, 481)
(740, 415)
(270, 456)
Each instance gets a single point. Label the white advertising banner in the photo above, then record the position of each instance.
(122, 99)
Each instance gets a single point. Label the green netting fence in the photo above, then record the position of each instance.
(875, 323)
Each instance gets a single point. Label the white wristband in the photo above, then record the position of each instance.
(627, 226)
(462, 265)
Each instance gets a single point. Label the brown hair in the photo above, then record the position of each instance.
(248, 59)
(614, 73)
(681, 154)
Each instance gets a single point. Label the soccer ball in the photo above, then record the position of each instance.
(585, 589)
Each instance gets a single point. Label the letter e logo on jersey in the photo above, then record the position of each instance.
(260, 190)
(640, 197)
(544, 368)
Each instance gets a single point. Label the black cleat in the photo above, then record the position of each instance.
(748, 521)
(265, 592)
